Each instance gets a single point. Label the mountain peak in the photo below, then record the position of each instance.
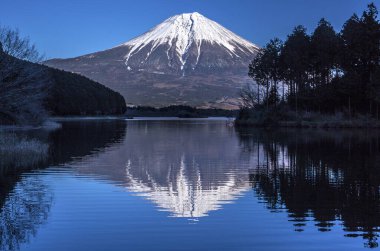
(192, 15)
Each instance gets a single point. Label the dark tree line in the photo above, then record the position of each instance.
(324, 71)
(181, 111)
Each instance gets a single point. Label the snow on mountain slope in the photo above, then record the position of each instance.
(185, 30)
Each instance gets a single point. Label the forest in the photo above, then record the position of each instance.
(326, 72)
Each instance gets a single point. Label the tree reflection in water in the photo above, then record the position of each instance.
(320, 176)
(25, 200)
(23, 210)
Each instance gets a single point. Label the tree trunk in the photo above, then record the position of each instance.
(276, 93)
(296, 92)
(267, 94)
(258, 94)
(349, 108)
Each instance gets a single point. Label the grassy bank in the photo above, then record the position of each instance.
(18, 152)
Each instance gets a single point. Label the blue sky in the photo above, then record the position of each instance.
(67, 28)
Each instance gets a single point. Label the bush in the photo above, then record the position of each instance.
(262, 116)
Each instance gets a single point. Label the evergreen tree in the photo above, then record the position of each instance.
(360, 57)
(295, 57)
(272, 54)
(324, 49)
(259, 72)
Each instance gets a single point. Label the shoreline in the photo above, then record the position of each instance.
(128, 118)
(53, 123)
(345, 124)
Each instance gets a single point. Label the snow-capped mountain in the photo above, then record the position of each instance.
(187, 59)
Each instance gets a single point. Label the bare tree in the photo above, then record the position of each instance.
(250, 96)
(23, 82)
(16, 46)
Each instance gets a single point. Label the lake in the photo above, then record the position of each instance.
(194, 185)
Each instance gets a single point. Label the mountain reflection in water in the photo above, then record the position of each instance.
(191, 169)
(319, 180)
(187, 169)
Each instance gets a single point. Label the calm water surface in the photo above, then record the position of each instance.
(194, 185)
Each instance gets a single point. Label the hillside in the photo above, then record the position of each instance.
(72, 94)
(31, 92)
